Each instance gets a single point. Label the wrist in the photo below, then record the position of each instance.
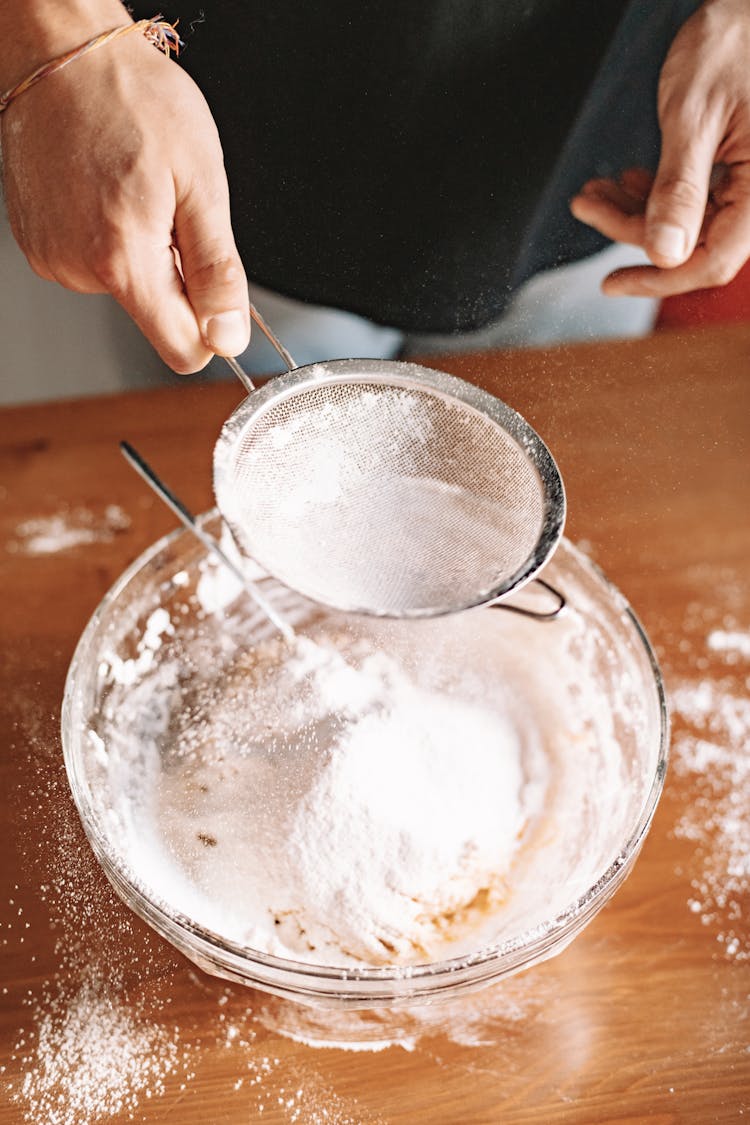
(37, 31)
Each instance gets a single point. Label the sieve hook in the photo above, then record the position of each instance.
(550, 615)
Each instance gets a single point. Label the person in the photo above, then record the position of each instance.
(413, 164)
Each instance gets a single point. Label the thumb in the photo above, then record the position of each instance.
(215, 281)
(677, 201)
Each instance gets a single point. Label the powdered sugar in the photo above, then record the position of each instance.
(129, 671)
(391, 496)
(712, 750)
(149, 1053)
(69, 528)
(392, 793)
(336, 862)
(88, 1049)
(93, 1057)
(730, 641)
(282, 777)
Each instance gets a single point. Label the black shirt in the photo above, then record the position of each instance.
(391, 158)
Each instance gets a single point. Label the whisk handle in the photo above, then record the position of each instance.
(144, 469)
(187, 519)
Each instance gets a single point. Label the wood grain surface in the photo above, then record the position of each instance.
(644, 1018)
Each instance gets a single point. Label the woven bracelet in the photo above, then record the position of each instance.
(162, 34)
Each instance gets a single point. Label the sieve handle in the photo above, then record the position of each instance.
(243, 376)
(287, 357)
(187, 519)
(550, 615)
(272, 339)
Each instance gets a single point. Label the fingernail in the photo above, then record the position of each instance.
(668, 241)
(226, 333)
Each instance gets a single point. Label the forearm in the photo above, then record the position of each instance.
(34, 31)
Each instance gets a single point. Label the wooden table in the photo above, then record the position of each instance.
(646, 1017)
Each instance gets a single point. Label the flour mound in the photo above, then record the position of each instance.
(338, 810)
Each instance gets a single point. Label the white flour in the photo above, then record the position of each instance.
(323, 468)
(86, 1050)
(92, 1049)
(94, 1057)
(357, 832)
(384, 793)
(732, 642)
(72, 527)
(132, 669)
(712, 749)
(390, 518)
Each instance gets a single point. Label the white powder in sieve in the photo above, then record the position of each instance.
(372, 505)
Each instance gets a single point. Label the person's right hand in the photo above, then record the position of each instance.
(114, 182)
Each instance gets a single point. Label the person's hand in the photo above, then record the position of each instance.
(693, 217)
(114, 182)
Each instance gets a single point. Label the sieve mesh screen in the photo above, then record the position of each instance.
(385, 497)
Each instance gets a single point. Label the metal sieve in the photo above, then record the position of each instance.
(387, 488)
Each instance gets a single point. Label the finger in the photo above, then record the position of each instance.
(38, 266)
(615, 191)
(677, 201)
(714, 263)
(609, 219)
(76, 277)
(637, 182)
(215, 281)
(149, 287)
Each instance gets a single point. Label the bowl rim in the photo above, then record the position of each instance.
(527, 947)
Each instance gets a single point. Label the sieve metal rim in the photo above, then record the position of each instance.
(410, 376)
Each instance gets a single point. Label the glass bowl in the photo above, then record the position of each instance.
(586, 685)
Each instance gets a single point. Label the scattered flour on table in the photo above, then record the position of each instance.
(90, 1048)
(92, 1056)
(711, 745)
(732, 642)
(71, 527)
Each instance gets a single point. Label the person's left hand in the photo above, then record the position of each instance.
(693, 217)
